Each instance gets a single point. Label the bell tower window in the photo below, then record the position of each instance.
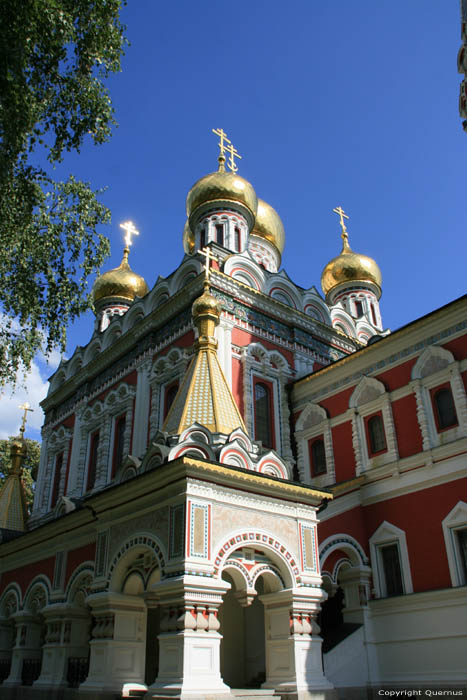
(202, 238)
(237, 239)
(358, 309)
(220, 234)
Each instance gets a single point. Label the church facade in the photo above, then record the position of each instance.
(190, 450)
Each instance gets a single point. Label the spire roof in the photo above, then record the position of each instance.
(13, 510)
(204, 396)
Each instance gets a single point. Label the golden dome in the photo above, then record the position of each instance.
(221, 186)
(268, 225)
(350, 267)
(120, 282)
(206, 304)
(188, 238)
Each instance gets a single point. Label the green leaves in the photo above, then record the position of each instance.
(53, 58)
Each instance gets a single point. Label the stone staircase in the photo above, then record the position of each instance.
(254, 694)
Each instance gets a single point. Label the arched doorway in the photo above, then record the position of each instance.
(252, 574)
(141, 574)
(243, 648)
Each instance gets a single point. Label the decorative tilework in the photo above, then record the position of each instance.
(199, 530)
(134, 542)
(251, 538)
(309, 547)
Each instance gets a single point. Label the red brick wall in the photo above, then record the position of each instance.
(78, 556)
(397, 376)
(25, 574)
(420, 514)
(344, 457)
(409, 437)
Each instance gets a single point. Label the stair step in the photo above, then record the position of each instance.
(253, 694)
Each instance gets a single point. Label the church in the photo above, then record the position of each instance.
(246, 488)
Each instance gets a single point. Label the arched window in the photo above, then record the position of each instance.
(445, 409)
(92, 465)
(376, 434)
(358, 309)
(202, 239)
(391, 569)
(263, 414)
(119, 443)
(57, 476)
(170, 394)
(237, 239)
(317, 457)
(373, 314)
(220, 234)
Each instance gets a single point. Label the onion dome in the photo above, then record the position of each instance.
(350, 268)
(268, 225)
(222, 187)
(205, 304)
(121, 283)
(188, 238)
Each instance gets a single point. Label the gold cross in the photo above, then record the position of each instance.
(233, 154)
(24, 407)
(343, 216)
(223, 137)
(130, 231)
(209, 255)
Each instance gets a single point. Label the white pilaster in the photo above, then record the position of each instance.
(141, 419)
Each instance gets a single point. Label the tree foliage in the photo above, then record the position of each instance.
(54, 57)
(30, 465)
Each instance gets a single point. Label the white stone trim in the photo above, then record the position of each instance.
(389, 534)
(455, 520)
(314, 421)
(370, 397)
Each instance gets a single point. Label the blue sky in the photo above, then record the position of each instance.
(350, 102)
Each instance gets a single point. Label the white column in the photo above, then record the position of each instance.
(74, 481)
(141, 418)
(293, 645)
(27, 647)
(421, 413)
(224, 347)
(118, 644)
(66, 637)
(189, 642)
(41, 476)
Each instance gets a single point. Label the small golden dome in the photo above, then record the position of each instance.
(350, 267)
(205, 304)
(188, 238)
(268, 225)
(120, 282)
(221, 186)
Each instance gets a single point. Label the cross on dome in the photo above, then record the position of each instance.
(233, 154)
(130, 231)
(209, 255)
(24, 407)
(223, 137)
(342, 216)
